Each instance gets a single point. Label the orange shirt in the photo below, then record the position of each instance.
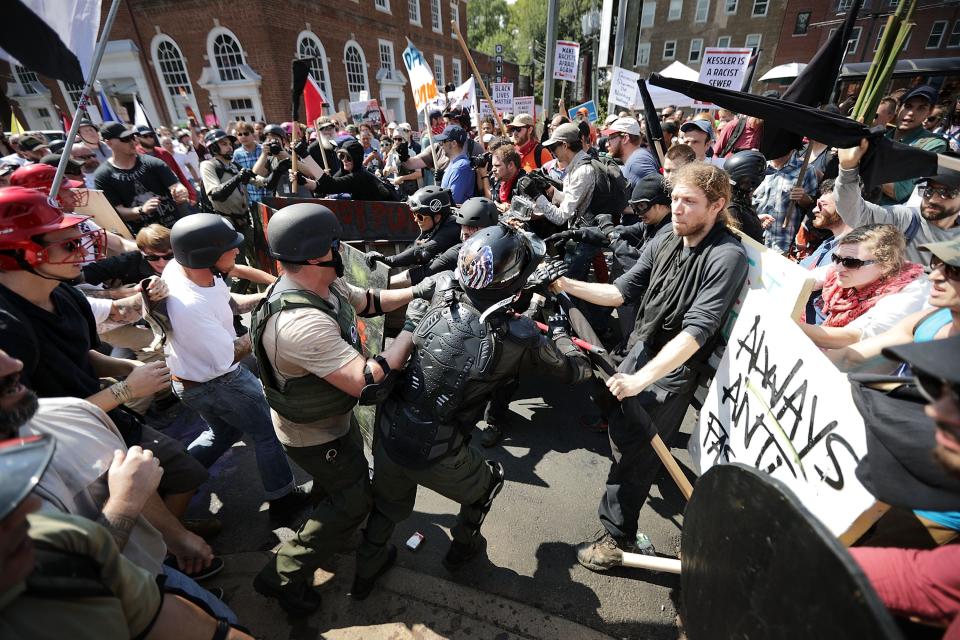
(528, 160)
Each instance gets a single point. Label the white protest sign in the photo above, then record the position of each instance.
(422, 82)
(565, 62)
(623, 89)
(724, 67)
(779, 405)
(524, 104)
(502, 94)
(485, 109)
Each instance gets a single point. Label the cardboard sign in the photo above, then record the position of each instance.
(502, 94)
(589, 106)
(365, 110)
(623, 90)
(103, 213)
(724, 67)
(524, 104)
(778, 404)
(422, 82)
(565, 61)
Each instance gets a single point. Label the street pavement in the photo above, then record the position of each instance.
(528, 586)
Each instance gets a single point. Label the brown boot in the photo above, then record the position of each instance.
(602, 553)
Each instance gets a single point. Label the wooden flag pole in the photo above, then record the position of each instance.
(476, 75)
(294, 137)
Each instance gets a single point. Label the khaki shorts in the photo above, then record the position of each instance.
(181, 471)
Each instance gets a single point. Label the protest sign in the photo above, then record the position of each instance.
(524, 104)
(589, 106)
(565, 62)
(778, 404)
(724, 67)
(365, 110)
(485, 109)
(103, 213)
(623, 89)
(502, 94)
(422, 82)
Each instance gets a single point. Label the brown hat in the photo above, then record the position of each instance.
(31, 142)
(521, 120)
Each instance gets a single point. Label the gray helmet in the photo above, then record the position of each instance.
(276, 130)
(302, 232)
(198, 240)
(746, 168)
(431, 200)
(216, 135)
(477, 212)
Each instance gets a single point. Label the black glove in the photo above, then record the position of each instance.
(373, 257)
(592, 235)
(246, 175)
(561, 237)
(558, 327)
(301, 179)
(301, 148)
(529, 187)
(226, 188)
(416, 310)
(548, 271)
(403, 152)
(424, 289)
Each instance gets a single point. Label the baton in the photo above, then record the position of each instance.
(581, 344)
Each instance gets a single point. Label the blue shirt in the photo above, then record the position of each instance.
(247, 159)
(460, 179)
(639, 164)
(772, 197)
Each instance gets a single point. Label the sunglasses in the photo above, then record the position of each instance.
(90, 246)
(933, 388)
(950, 272)
(129, 138)
(851, 263)
(943, 192)
(154, 258)
(244, 133)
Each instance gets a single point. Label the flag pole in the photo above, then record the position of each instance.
(479, 79)
(84, 97)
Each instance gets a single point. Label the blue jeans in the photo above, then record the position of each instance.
(177, 580)
(232, 405)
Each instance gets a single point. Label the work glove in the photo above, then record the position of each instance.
(558, 327)
(548, 271)
(373, 257)
(425, 289)
(588, 235)
(416, 310)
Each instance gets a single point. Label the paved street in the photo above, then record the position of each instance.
(531, 586)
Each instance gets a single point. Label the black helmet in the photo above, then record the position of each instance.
(495, 263)
(276, 130)
(302, 232)
(198, 240)
(216, 135)
(746, 169)
(431, 200)
(477, 212)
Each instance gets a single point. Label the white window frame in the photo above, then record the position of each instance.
(168, 96)
(326, 85)
(954, 33)
(381, 43)
(746, 41)
(943, 30)
(724, 41)
(382, 5)
(844, 5)
(727, 4)
(698, 49)
(876, 45)
(436, 15)
(414, 15)
(211, 56)
(363, 63)
(702, 13)
(456, 71)
(438, 73)
(643, 54)
(675, 10)
(672, 56)
(647, 17)
(766, 8)
(854, 42)
(455, 12)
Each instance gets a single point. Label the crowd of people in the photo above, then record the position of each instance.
(101, 337)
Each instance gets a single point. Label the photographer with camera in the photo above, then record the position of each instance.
(460, 176)
(456, 116)
(274, 163)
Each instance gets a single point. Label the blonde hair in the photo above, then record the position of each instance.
(713, 181)
(154, 237)
(885, 241)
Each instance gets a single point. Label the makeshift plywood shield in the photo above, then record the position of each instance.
(103, 213)
(757, 564)
(777, 404)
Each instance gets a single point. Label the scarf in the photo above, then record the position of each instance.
(843, 306)
(506, 188)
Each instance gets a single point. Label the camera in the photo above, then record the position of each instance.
(484, 160)
(274, 148)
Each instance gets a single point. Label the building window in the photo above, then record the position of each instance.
(438, 70)
(760, 8)
(436, 20)
(643, 54)
(356, 66)
(669, 49)
(730, 6)
(954, 40)
(802, 24)
(854, 41)
(647, 14)
(241, 104)
(309, 46)
(26, 78)
(844, 5)
(676, 8)
(382, 5)
(696, 49)
(936, 34)
(228, 57)
(386, 55)
(703, 11)
(455, 12)
(876, 45)
(414, 8)
(723, 42)
(753, 40)
(457, 72)
(173, 70)
(72, 93)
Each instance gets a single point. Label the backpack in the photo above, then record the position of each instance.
(734, 137)
(610, 192)
(538, 155)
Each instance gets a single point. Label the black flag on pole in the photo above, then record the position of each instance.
(30, 34)
(651, 121)
(301, 69)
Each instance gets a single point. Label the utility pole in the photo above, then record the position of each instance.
(550, 46)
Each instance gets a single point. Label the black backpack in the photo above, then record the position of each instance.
(610, 192)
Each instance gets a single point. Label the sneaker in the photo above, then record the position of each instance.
(602, 553)
(596, 424)
(296, 598)
(460, 553)
(491, 435)
(285, 510)
(206, 528)
(212, 569)
(363, 586)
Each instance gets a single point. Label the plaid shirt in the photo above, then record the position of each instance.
(772, 197)
(247, 159)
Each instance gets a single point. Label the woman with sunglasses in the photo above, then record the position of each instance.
(352, 179)
(870, 287)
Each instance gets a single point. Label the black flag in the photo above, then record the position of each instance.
(301, 69)
(28, 37)
(651, 121)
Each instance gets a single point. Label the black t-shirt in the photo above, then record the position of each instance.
(149, 178)
(126, 268)
(55, 346)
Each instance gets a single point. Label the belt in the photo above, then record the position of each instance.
(187, 384)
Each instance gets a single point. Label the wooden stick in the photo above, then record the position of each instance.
(478, 79)
(651, 563)
(294, 136)
(672, 467)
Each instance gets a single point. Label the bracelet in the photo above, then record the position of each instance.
(121, 392)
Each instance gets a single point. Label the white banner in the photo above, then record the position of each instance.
(779, 405)
(502, 94)
(724, 68)
(623, 90)
(422, 82)
(565, 62)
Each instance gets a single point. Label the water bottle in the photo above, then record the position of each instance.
(644, 545)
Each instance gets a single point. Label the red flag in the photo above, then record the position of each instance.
(313, 100)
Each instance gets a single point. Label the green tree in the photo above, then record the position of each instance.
(488, 25)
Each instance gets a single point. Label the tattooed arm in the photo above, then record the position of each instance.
(244, 303)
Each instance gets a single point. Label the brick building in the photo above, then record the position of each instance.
(935, 37)
(232, 59)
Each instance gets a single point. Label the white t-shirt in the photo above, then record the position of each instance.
(201, 347)
(893, 308)
(101, 309)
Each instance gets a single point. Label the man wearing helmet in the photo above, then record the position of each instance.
(431, 207)
(310, 359)
(467, 345)
(747, 170)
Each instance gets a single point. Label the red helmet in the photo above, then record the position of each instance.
(26, 214)
(40, 177)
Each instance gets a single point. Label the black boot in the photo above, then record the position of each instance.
(296, 598)
(460, 553)
(363, 586)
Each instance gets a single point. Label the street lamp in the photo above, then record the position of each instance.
(590, 25)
